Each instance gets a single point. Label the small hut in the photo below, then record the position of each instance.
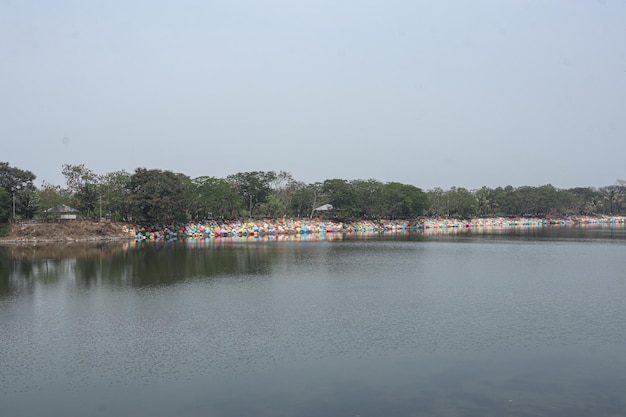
(322, 211)
(325, 207)
(61, 212)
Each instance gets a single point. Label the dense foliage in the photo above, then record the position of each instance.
(18, 184)
(4, 206)
(153, 195)
(159, 196)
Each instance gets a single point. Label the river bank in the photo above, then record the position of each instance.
(93, 231)
(65, 231)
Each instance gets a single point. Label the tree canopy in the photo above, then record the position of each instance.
(4, 206)
(153, 195)
(254, 187)
(19, 183)
(158, 196)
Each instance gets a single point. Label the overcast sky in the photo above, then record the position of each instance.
(429, 93)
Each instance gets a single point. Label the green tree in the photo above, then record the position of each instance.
(159, 196)
(19, 183)
(4, 206)
(548, 200)
(566, 203)
(87, 199)
(613, 199)
(583, 200)
(507, 201)
(309, 197)
(113, 195)
(298, 199)
(76, 176)
(485, 200)
(214, 197)
(273, 207)
(404, 201)
(438, 202)
(292, 197)
(84, 185)
(342, 196)
(49, 196)
(253, 187)
(28, 203)
(461, 202)
(528, 200)
(369, 199)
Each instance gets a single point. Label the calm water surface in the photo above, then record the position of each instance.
(530, 323)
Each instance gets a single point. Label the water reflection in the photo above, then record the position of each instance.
(400, 324)
(127, 264)
(141, 264)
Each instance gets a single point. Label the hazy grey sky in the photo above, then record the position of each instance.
(429, 93)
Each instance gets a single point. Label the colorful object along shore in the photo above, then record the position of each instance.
(214, 230)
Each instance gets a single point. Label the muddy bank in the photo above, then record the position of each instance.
(65, 231)
(102, 231)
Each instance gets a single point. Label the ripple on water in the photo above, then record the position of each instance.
(375, 312)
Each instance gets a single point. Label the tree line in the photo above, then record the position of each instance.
(154, 195)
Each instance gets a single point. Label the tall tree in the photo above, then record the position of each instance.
(4, 206)
(438, 202)
(508, 201)
(528, 199)
(485, 201)
(214, 197)
(547, 200)
(253, 187)
(404, 201)
(114, 194)
(13, 179)
(342, 196)
(289, 197)
(462, 202)
(369, 198)
(49, 195)
(613, 199)
(583, 199)
(18, 183)
(159, 196)
(76, 176)
(28, 203)
(310, 196)
(83, 184)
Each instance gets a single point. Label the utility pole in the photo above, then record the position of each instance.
(101, 205)
(13, 206)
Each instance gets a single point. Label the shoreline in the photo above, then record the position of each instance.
(83, 231)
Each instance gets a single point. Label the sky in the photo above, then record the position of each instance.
(429, 93)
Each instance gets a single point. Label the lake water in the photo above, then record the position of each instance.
(524, 323)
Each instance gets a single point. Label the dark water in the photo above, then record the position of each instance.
(529, 323)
